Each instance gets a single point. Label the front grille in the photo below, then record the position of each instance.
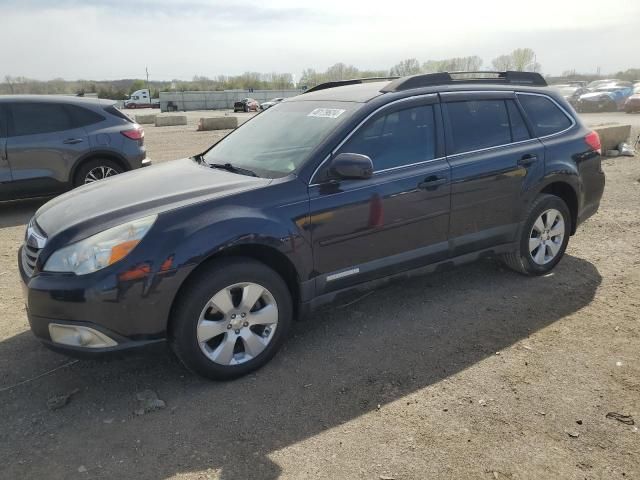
(29, 258)
(34, 242)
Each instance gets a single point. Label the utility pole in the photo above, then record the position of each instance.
(146, 69)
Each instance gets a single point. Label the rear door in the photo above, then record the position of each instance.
(5, 168)
(397, 219)
(493, 158)
(43, 146)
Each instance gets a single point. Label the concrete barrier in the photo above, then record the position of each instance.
(218, 123)
(146, 119)
(170, 120)
(612, 135)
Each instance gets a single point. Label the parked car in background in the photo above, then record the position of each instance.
(141, 99)
(246, 105)
(600, 83)
(608, 98)
(571, 93)
(49, 144)
(344, 187)
(270, 103)
(632, 103)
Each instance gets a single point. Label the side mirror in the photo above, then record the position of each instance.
(351, 166)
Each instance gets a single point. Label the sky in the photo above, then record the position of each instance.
(101, 39)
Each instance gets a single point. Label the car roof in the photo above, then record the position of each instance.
(365, 92)
(69, 99)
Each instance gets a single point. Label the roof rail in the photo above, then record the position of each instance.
(449, 78)
(342, 83)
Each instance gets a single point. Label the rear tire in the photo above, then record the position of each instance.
(230, 318)
(544, 236)
(96, 169)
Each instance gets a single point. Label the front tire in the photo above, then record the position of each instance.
(231, 318)
(543, 237)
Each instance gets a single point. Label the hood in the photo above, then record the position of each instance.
(141, 192)
(595, 95)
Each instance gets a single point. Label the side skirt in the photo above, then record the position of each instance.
(330, 297)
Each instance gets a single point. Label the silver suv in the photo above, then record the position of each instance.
(50, 144)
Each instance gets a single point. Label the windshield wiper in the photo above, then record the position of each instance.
(233, 169)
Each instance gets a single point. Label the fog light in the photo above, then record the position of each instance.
(79, 336)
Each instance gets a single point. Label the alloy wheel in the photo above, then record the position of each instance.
(546, 236)
(99, 173)
(237, 323)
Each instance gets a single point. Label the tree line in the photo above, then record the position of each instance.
(521, 59)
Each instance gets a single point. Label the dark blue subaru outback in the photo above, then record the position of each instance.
(343, 187)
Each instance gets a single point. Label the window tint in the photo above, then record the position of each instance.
(33, 118)
(519, 129)
(395, 139)
(81, 117)
(114, 111)
(545, 115)
(478, 124)
(3, 122)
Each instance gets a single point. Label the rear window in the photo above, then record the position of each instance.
(117, 113)
(544, 114)
(478, 124)
(82, 117)
(38, 118)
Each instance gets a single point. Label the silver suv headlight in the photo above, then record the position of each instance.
(100, 250)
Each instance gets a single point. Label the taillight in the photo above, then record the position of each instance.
(593, 140)
(134, 133)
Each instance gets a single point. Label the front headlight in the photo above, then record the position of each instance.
(101, 249)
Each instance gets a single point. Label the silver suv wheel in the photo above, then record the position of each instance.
(237, 323)
(546, 236)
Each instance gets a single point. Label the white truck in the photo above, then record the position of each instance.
(141, 99)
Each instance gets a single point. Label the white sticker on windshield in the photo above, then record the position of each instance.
(326, 112)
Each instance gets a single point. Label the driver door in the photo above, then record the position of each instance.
(396, 220)
(5, 168)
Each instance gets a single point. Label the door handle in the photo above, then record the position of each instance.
(72, 141)
(528, 160)
(432, 182)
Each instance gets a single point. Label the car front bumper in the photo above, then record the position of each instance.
(67, 312)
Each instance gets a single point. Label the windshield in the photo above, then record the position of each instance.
(279, 140)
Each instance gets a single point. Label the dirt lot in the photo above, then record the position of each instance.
(472, 373)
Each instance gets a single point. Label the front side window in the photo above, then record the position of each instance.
(395, 139)
(37, 118)
(545, 115)
(478, 124)
(279, 140)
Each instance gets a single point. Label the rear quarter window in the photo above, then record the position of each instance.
(546, 117)
(117, 113)
(82, 117)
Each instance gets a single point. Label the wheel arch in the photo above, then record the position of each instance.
(568, 194)
(95, 154)
(268, 255)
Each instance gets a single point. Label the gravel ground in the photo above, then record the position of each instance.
(475, 372)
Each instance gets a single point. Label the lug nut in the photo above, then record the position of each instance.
(237, 331)
(233, 316)
(243, 315)
(245, 324)
(229, 327)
